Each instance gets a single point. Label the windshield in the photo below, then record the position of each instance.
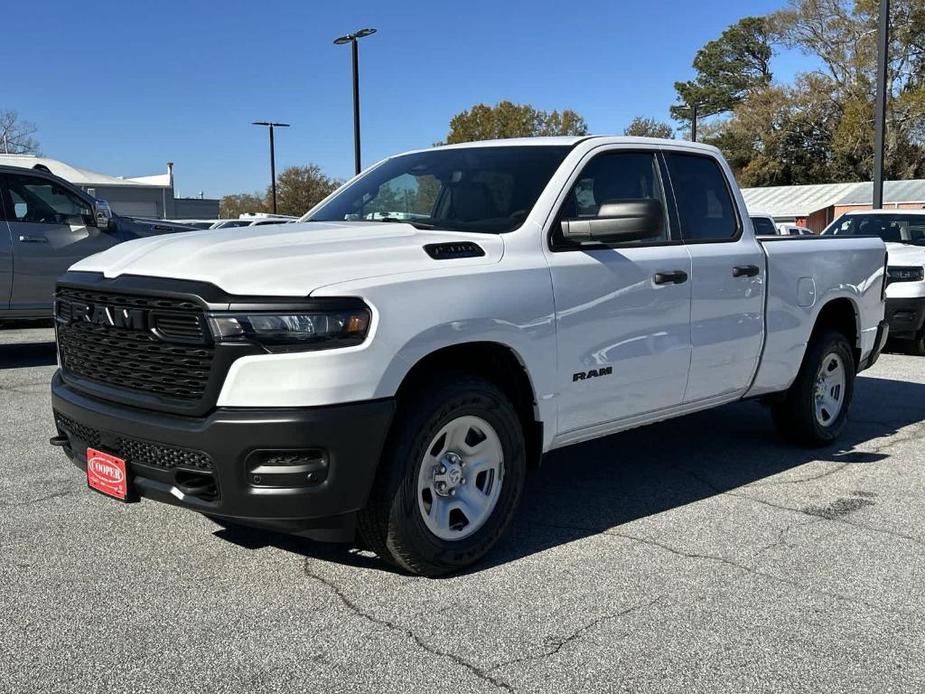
(481, 189)
(893, 228)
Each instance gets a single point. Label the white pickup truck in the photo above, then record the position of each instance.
(396, 362)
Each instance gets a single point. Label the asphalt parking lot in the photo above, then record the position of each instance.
(698, 555)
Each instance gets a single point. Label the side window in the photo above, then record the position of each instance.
(43, 202)
(608, 178)
(705, 206)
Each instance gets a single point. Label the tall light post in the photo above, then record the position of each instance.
(883, 44)
(352, 40)
(270, 125)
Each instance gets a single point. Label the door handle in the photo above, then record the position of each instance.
(33, 239)
(674, 277)
(745, 271)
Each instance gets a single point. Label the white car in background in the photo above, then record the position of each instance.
(903, 231)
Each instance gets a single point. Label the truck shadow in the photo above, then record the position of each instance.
(20, 355)
(594, 487)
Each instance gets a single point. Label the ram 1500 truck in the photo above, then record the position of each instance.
(46, 225)
(904, 234)
(395, 362)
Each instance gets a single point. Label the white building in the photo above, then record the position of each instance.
(140, 196)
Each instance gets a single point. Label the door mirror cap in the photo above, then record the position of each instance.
(102, 215)
(617, 221)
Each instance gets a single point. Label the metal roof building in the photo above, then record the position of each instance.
(894, 192)
(142, 196)
(786, 203)
(815, 206)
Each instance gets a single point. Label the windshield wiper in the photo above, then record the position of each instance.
(413, 222)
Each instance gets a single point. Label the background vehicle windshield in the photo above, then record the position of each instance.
(894, 228)
(482, 189)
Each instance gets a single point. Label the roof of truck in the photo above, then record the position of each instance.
(572, 141)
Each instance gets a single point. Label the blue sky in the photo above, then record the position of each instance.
(122, 87)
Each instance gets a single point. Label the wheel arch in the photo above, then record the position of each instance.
(497, 363)
(843, 315)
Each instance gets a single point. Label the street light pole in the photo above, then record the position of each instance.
(883, 43)
(693, 122)
(352, 40)
(271, 126)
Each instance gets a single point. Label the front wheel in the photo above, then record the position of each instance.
(815, 408)
(450, 478)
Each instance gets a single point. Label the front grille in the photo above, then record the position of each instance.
(167, 457)
(138, 451)
(168, 355)
(92, 296)
(88, 435)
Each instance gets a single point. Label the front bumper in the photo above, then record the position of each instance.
(222, 464)
(906, 317)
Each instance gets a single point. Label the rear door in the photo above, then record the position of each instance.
(727, 282)
(623, 334)
(50, 230)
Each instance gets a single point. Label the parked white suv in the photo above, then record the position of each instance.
(904, 234)
(396, 361)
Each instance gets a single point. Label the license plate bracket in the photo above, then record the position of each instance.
(108, 474)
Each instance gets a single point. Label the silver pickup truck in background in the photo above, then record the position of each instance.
(47, 225)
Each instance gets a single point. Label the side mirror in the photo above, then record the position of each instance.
(102, 215)
(622, 220)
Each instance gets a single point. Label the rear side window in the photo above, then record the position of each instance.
(764, 226)
(705, 206)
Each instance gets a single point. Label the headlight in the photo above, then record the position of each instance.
(293, 331)
(906, 274)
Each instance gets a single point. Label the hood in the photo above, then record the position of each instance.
(905, 254)
(288, 259)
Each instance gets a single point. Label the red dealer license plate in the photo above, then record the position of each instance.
(106, 473)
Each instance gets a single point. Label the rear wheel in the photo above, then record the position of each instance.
(815, 408)
(450, 478)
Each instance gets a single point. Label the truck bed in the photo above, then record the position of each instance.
(804, 273)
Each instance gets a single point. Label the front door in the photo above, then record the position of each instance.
(623, 334)
(50, 230)
(727, 282)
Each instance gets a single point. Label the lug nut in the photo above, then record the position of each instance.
(442, 469)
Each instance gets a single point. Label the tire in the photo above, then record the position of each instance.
(797, 416)
(415, 518)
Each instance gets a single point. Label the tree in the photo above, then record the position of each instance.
(842, 34)
(728, 69)
(649, 127)
(506, 119)
(779, 136)
(233, 206)
(16, 135)
(299, 188)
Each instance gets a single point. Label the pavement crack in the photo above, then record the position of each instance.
(30, 502)
(559, 643)
(479, 672)
(758, 572)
